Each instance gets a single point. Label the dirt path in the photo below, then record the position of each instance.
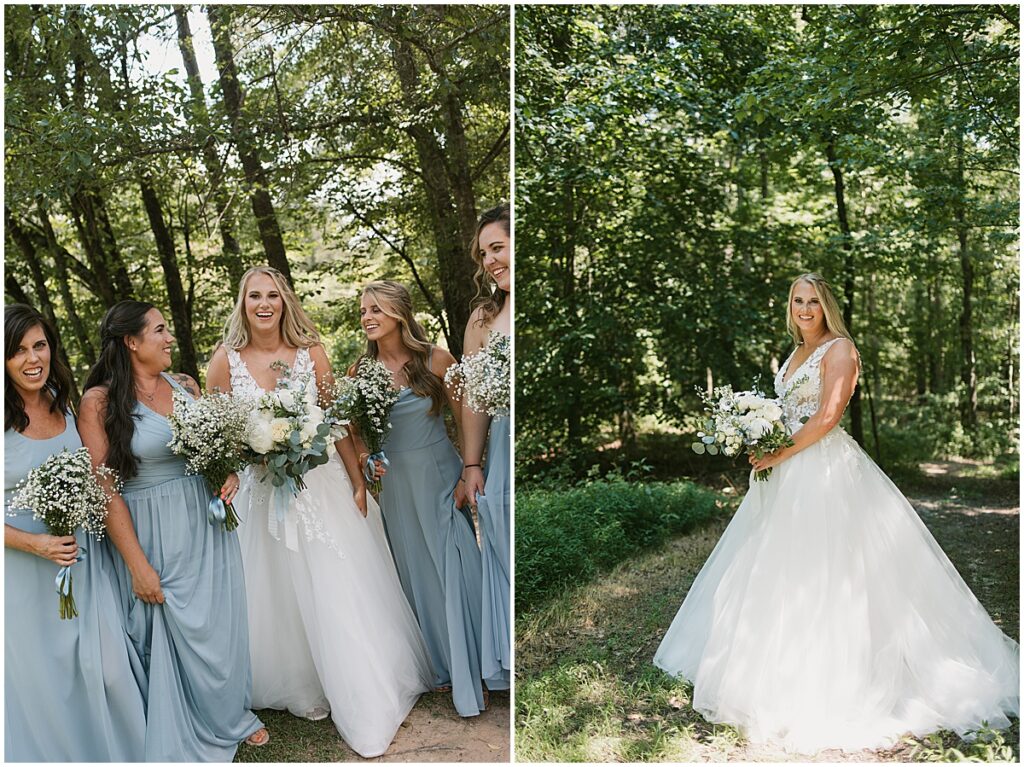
(586, 686)
(433, 732)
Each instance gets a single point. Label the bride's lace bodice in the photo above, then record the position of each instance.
(302, 513)
(243, 384)
(801, 393)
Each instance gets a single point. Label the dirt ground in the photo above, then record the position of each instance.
(433, 732)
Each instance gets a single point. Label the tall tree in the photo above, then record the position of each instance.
(199, 117)
(245, 144)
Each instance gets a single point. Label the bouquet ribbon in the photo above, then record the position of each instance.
(370, 471)
(216, 512)
(277, 514)
(63, 580)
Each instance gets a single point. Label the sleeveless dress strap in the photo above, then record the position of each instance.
(823, 349)
(174, 384)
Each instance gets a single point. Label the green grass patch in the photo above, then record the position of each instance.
(567, 537)
(587, 689)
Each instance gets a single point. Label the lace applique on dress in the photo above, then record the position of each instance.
(801, 395)
(262, 501)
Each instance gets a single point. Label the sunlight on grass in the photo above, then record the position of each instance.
(587, 689)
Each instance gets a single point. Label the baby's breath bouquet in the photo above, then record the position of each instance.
(288, 433)
(66, 493)
(210, 432)
(742, 420)
(366, 402)
(484, 379)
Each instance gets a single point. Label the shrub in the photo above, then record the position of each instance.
(566, 537)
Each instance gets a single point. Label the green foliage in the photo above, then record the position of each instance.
(91, 112)
(985, 745)
(566, 537)
(676, 168)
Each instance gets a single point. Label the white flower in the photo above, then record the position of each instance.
(308, 430)
(260, 437)
(484, 378)
(285, 399)
(280, 429)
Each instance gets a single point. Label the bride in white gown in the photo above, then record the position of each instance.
(827, 616)
(331, 632)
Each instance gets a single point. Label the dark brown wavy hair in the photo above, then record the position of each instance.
(489, 297)
(18, 320)
(113, 369)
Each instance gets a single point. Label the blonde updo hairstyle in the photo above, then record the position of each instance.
(833, 315)
(489, 297)
(297, 329)
(396, 302)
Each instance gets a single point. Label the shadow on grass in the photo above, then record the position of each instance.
(587, 689)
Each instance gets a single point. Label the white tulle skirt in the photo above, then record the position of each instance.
(329, 624)
(828, 617)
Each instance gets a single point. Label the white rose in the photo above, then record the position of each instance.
(772, 412)
(286, 399)
(260, 437)
(280, 428)
(758, 427)
(308, 431)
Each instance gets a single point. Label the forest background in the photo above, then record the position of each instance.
(678, 166)
(156, 152)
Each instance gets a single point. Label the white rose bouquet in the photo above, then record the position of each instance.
(484, 379)
(66, 493)
(365, 400)
(742, 420)
(210, 432)
(288, 433)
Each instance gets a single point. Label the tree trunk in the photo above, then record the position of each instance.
(936, 374)
(459, 171)
(97, 238)
(455, 269)
(255, 175)
(14, 290)
(64, 285)
(172, 277)
(1011, 351)
(200, 119)
(968, 370)
(573, 349)
(856, 411)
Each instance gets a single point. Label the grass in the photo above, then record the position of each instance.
(569, 536)
(586, 689)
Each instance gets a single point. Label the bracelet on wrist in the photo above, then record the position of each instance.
(471, 466)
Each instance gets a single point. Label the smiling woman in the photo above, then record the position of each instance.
(193, 639)
(827, 615)
(323, 146)
(78, 694)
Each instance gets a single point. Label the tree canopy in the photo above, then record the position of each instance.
(678, 166)
(337, 143)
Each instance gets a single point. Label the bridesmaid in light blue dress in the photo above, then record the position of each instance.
(73, 689)
(490, 490)
(433, 540)
(179, 574)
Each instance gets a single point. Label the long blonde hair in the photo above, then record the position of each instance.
(296, 328)
(489, 297)
(833, 315)
(396, 302)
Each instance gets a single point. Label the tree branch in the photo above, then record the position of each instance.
(491, 155)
